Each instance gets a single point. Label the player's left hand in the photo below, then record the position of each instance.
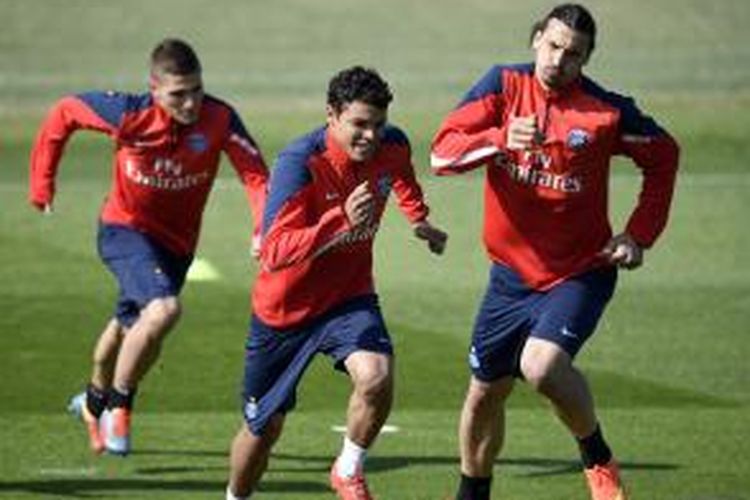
(436, 239)
(623, 251)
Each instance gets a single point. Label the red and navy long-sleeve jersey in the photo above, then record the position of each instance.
(546, 209)
(162, 170)
(311, 259)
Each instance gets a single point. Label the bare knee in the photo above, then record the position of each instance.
(375, 385)
(161, 313)
(371, 375)
(543, 364)
(484, 396)
(166, 309)
(537, 375)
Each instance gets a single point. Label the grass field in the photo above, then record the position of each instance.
(669, 363)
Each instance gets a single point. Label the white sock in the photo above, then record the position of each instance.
(232, 496)
(351, 459)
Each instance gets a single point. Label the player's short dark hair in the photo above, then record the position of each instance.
(175, 57)
(574, 16)
(358, 84)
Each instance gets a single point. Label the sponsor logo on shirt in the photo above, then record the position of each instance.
(384, 185)
(251, 409)
(197, 142)
(474, 359)
(567, 332)
(165, 174)
(578, 139)
(167, 166)
(535, 172)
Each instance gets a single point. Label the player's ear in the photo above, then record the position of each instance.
(587, 57)
(536, 39)
(331, 114)
(153, 82)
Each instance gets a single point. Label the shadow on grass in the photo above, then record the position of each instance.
(281, 463)
(181, 453)
(290, 463)
(527, 466)
(98, 488)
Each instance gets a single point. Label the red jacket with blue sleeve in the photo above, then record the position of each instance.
(546, 209)
(311, 260)
(163, 171)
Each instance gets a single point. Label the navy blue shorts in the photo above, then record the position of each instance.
(144, 269)
(276, 359)
(566, 314)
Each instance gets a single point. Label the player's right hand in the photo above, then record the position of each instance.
(360, 206)
(523, 132)
(436, 239)
(623, 251)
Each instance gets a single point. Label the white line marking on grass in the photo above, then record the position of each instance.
(387, 429)
(71, 472)
(202, 270)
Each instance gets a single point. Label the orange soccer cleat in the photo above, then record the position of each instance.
(604, 482)
(350, 488)
(78, 408)
(116, 430)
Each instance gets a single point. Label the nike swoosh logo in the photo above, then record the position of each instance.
(565, 332)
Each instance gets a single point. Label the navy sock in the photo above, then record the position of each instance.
(119, 399)
(594, 450)
(96, 400)
(474, 488)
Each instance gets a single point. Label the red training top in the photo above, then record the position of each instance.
(311, 260)
(546, 212)
(162, 170)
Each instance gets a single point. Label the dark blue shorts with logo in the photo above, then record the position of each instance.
(275, 360)
(566, 314)
(144, 269)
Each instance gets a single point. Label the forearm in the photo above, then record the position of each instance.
(285, 245)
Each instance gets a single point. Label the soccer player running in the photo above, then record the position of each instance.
(547, 134)
(315, 291)
(168, 144)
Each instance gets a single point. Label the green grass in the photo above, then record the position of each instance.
(183, 455)
(668, 363)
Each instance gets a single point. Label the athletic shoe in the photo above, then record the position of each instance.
(604, 482)
(77, 407)
(349, 488)
(116, 430)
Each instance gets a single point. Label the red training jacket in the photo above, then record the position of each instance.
(162, 171)
(546, 209)
(311, 260)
